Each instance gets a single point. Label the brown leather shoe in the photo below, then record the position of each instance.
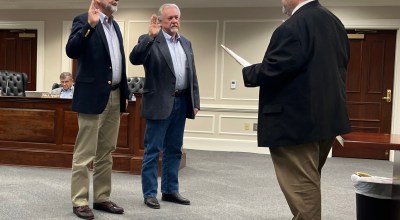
(83, 212)
(108, 207)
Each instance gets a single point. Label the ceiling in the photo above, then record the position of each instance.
(83, 4)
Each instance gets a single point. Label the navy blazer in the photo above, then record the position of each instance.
(94, 70)
(302, 80)
(160, 82)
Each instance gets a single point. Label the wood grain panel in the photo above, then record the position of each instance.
(41, 132)
(367, 111)
(31, 125)
(375, 80)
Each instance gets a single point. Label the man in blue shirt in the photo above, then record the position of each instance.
(67, 89)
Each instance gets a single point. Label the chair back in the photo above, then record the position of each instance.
(13, 83)
(135, 85)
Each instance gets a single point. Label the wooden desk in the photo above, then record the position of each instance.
(42, 131)
(372, 140)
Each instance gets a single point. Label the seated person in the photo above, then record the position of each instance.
(67, 89)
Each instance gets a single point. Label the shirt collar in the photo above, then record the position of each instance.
(301, 5)
(169, 37)
(68, 90)
(103, 17)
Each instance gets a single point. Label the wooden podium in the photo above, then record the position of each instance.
(41, 132)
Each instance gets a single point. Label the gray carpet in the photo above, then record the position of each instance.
(220, 185)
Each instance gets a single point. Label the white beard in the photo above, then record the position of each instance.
(174, 29)
(109, 7)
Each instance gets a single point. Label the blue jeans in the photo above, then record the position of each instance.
(167, 136)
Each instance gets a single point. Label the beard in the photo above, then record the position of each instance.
(109, 7)
(286, 11)
(174, 29)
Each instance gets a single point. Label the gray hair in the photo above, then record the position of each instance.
(65, 74)
(167, 5)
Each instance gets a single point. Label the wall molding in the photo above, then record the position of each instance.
(198, 117)
(229, 108)
(251, 133)
(216, 144)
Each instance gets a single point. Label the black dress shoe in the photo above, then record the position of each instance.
(175, 197)
(152, 202)
(83, 212)
(108, 207)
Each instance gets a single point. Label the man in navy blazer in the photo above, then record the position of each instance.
(170, 95)
(101, 93)
(302, 106)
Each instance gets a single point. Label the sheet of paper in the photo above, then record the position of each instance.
(239, 59)
(340, 140)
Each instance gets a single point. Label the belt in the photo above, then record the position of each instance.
(114, 87)
(180, 93)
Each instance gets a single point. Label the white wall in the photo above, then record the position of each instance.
(225, 113)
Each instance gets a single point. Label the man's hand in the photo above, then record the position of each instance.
(93, 14)
(195, 111)
(154, 26)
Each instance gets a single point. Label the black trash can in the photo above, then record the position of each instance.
(374, 199)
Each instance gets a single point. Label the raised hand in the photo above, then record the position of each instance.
(154, 26)
(93, 14)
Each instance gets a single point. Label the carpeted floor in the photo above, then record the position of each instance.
(220, 185)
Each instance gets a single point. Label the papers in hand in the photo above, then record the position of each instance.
(340, 140)
(239, 59)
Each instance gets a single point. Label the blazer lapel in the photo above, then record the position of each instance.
(163, 46)
(100, 30)
(121, 44)
(189, 55)
(188, 52)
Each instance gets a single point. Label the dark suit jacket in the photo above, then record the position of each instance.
(94, 70)
(160, 78)
(302, 80)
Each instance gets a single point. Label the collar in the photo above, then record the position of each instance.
(169, 37)
(104, 17)
(70, 89)
(301, 5)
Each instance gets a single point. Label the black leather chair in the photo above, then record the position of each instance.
(135, 85)
(55, 86)
(13, 83)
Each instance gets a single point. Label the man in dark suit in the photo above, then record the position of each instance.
(170, 95)
(302, 106)
(101, 93)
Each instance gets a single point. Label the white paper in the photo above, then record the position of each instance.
(239, 59)
(340, 140)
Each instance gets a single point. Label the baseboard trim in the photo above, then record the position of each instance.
(214, 144)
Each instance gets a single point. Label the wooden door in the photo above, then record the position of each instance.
(18, 49)
(369, 80)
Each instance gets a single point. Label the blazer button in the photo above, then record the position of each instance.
(110, 67)
(109, 82)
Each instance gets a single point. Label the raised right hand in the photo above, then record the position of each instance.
(154, 26)
(93, 14)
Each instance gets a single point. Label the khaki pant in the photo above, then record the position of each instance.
(96, 139)
(298, 170)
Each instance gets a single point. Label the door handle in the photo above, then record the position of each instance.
(388, 96)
